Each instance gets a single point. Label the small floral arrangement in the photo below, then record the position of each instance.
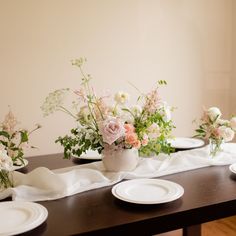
(112, 126)
(14, 140)
(6, 165)
(216, 130)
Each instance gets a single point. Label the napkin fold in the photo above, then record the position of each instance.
(43, 184)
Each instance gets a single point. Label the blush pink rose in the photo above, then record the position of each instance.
(129, 128)
(226, 133)
(111, 129)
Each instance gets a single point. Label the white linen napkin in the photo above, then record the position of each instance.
(43, 184)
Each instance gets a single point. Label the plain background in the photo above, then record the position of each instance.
(189, 43)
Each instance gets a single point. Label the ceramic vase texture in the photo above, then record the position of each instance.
(120, 160)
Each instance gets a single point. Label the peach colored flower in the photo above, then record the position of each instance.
(129, 128)
(216, 132)
(131, 138)
(137, 144)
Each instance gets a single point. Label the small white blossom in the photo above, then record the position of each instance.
(5, 161)
(84, 114)
(164, 110)
(222, 122)
(53, 101)
(136, 110)
(121, 97)
(214, 113)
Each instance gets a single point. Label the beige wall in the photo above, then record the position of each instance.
(186, 42)
(233, 81)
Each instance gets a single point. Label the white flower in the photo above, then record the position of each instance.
(121, 97)
(164, 110)
(84, 114)
(5, 161)
(222, 122)
(214, 113)
(233, 123)
(153, 131)
(136, 110)
(226, 133)
(53, 101)
(126, 117)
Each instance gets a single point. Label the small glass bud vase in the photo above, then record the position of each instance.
(214, 146)
(6, 179)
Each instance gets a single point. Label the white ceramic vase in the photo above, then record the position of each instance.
(120, 160)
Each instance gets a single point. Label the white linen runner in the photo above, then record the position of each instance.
(43, 184)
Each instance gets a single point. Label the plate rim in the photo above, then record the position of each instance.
(83, 156)
(174, 197)
(200, 141)
(36, 207)
(89, 158)
(231, 168)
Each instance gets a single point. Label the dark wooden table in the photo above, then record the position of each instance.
(210, 194)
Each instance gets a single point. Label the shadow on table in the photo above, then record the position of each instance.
(37, 231)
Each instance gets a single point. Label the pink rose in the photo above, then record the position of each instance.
(129, 128)
(111, 129)
(226, 133)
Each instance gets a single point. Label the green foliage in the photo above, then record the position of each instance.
(76, 143)
(93, 112)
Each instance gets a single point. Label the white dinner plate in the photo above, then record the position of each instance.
(17, 217)
(147, 191)
(26, 162)
(232, 168)
(91, 155)
(186, 143)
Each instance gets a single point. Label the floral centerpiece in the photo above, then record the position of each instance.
(115, 126)
(6, 166)
(14, 140)
(215, 130)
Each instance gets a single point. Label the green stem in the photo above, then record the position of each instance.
(5, 179)
(95, 103)
(33, 130)
(61, 108)
(91, 113)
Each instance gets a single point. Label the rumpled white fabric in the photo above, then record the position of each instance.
(43, 184)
